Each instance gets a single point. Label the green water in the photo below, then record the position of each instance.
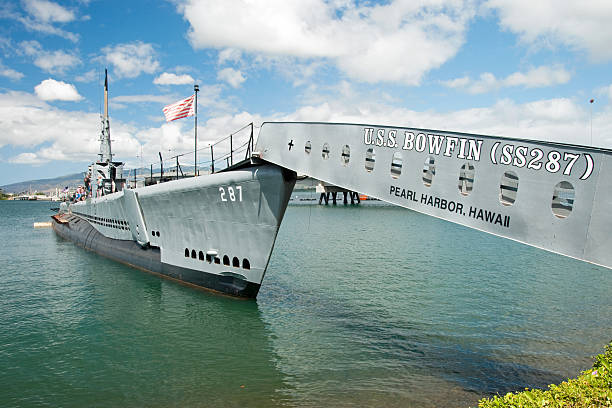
(367, 306)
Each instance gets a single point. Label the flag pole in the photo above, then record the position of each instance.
(196, 88)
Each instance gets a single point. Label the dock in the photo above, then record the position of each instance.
(326, 190)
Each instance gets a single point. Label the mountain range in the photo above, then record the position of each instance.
(44, 185)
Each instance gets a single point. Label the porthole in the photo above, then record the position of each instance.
(236, 262)
(158, 234)
(193, 253)
(466, 178)
(396, 165)
(209, 258)
(308, 147)
(563, 199)
(325, 151)
(429, 170)
(201, 256)
(370, 159)
(186, 252)
(217, 260)
(246, 264)
(508, 188)
(345, 156)
(226, 260)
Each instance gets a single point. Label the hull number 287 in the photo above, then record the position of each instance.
(230, 193)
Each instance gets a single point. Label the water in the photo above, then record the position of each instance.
(362, 306)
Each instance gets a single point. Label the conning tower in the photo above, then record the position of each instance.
(106, 175)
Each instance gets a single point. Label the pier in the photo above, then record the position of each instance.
(326, 190)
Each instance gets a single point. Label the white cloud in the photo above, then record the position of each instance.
(231, 76)
(399, 41)
(296, 71)
(131, 59)
(165, 99)
(48, 12)
(229, 54)
(580, 25)
(26, 158)
(58, 134)
(5, 43)
(43, 133)
(88, 76)
(559, 120)
(173, 79)
(10, 73)
(539, 77)
(462, 82)
(534, 78)
(50, 134)
(43, 14)
(51, 90)
(54, 62)
(27, 121)
(208, 97)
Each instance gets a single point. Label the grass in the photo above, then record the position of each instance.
(593, 388)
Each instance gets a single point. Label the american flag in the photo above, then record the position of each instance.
(180, 109)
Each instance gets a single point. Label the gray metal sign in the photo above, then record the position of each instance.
(551, 196)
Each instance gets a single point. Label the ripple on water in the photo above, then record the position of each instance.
(365, 306)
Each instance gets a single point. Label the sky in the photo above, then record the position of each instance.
(515, 68)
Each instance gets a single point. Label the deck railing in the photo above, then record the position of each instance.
(212, 158)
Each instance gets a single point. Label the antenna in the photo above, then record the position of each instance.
(591, 106)
(196, 89)
(105, 140)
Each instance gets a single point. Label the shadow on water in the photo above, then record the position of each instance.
(342, 354)
(201, 349)
(421, 351)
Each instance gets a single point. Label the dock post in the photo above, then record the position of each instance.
(324, 197)
(212, 160)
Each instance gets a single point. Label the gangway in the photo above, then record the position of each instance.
(548, 195)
